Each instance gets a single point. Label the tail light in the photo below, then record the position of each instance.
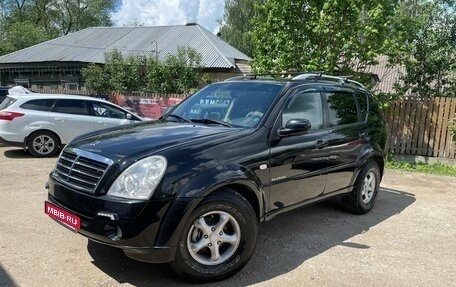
(9, 116)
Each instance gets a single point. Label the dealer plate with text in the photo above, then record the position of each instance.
(68, 219)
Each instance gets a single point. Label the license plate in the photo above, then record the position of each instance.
(68, 219)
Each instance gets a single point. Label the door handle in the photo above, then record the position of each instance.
(321, 144)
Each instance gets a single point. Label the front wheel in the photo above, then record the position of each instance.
(362, 198)
(219, 238)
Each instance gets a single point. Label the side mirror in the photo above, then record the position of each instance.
(129, 116)
(295, 127)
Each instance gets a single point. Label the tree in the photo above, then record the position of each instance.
(34, 21)
(236, 26)
(429, 51)
(178, 73)
(333, 36)
(20, 35)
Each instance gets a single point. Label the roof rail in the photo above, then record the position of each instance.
(284, 75)
(317, 76)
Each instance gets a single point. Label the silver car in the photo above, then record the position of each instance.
(43, 123)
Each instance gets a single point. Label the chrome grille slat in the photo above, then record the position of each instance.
(85, 173)
(91, 167)
(81, 170)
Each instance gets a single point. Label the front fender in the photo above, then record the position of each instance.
(200, 186)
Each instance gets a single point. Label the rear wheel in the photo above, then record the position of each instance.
(219, 238)
(43, 144)
(362, 198)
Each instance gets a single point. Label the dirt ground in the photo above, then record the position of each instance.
(408, 239)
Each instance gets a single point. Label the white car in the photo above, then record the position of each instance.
(43, 123)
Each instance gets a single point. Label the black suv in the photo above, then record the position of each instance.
(192, 187)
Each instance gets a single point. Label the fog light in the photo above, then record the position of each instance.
(109, 215)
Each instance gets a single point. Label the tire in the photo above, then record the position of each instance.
(223, 232)
(43, 144)
(362, 199)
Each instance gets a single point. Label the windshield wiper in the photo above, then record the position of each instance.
(182, 119)
(211, 121)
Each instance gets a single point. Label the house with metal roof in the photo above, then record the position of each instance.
(57, 63)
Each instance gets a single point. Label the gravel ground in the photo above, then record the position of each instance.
(408, 239)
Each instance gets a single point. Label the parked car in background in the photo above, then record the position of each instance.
(43, 123)
(192, 187)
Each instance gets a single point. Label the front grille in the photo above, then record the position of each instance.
(81, 170)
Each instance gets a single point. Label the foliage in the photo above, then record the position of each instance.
(452, 128)
(427, 47)
(178, 73)
(27, 22)
(20, 35)
(332, 36)
(434, 168)
(236, 26)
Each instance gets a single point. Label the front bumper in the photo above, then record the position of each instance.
(130, 225)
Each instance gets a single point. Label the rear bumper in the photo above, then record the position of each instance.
(11, 143)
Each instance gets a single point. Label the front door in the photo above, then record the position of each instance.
(298, 163)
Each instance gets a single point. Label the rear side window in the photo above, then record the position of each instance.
(6, 103)
(342, 108)
(38, 105)
(76, 107)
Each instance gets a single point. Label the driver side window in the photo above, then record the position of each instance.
(107, 111)
(305, 105)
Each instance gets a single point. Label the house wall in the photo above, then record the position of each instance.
(42, 75)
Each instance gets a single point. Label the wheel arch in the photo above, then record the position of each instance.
(191, 196)
(42, 130)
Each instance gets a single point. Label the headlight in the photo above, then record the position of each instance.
(140, 179)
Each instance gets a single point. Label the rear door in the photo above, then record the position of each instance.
(298, 162)
(347, 136)
(71, 118)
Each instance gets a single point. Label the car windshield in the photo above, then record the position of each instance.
(238, 104)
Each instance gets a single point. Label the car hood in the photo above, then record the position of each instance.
(146, 138)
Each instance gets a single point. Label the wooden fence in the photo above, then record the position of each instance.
(417, 126)
(421, 127)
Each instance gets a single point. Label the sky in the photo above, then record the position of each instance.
(169, 12)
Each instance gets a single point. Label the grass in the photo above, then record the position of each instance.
(434, 168)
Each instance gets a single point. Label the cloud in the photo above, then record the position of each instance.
(169, 12)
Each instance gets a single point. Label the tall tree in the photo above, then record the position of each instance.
(45, 19)
(236, 26)
(312, 35)
(428, 53)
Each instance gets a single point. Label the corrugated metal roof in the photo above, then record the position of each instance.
(388, 75)
(90, 45)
